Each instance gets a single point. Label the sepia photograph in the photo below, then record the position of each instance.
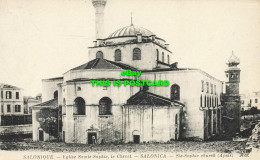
(129, 79)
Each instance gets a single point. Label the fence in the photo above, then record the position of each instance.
(7, 120)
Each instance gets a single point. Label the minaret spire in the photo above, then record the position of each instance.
(99, 6)
(131, 19)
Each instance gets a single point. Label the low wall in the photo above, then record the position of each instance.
(16, 129)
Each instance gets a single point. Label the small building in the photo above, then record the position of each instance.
(13, 119)
(29, 101)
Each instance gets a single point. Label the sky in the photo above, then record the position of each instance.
(41, 39)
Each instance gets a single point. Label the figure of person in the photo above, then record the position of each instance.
(94, 139)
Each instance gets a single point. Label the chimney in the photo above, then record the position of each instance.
(99, 7)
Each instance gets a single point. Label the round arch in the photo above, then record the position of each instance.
(79, 106)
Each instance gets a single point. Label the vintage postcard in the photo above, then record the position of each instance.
(129, 79)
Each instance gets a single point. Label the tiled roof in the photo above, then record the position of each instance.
(50, 103)
(55, 78)
(2, 85)
(100, 63)
(99, 79)
(147, 98)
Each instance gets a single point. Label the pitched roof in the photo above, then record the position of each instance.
(3, 85)
(147, 98)
(55, 78)
(50, 103)
(100, 63)
(99, 79)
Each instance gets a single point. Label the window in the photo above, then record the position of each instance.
(2, 94)
(136, 54)
(17, 108)
(63, 111)
(118, 55)
(207, 84)
(79, 106)
(99, 54)
(215, 89)
(8, 108)
(201, 100)
(175, 92)
(105, 106)
(55, 94)
(8, 95)
(205, 101)
(17, 95)
(168, 59)
(162, 56)
(256, 101)
(157, 54)
(202, 86)
(250, 101)
(2, 108)
(211, 88)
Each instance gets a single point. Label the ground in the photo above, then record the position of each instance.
(177, 146)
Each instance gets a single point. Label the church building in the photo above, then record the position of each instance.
(190, 106)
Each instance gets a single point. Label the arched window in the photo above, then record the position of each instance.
(55, 94)
(162, 56)
(136, 54)
(175, 92)
(105, 106)
(176, 119)
(99, 54)
(157, 54)
(79, 106)
(118, 55)
(168, 59)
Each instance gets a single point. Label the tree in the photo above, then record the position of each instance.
(253, 111)
(48, 119)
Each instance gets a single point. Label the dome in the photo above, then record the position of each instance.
(130, 31)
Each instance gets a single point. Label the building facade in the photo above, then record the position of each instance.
(190, 106)
(11, 102)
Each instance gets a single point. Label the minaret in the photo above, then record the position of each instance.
(99, 7)
(231, 101)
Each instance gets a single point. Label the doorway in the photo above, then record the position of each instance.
(92, 138)
(41, 138)
(176, 134)
(137, 139)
